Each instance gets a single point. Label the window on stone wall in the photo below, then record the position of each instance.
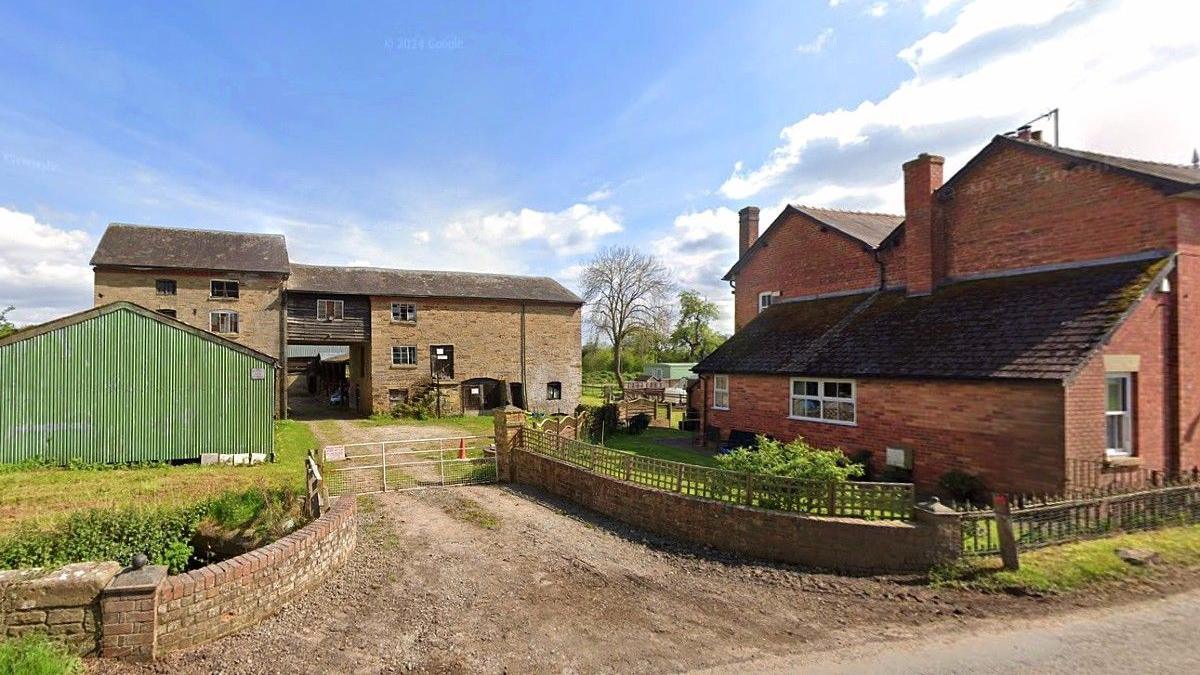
(167, 312)
(404, 311)
(554, 391)
(832, 401)
(224, 288)
(331, 310)
(164, 286)
(397, 396)
(223, 321)
(1118, 414)
(721, 392)
(404, 355)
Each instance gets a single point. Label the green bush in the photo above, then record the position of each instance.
(37, 654)
(420, 407)
(963, 487)
(639, 423)
(605, 421)
(796, 459)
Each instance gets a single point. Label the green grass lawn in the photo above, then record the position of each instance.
(40, 495)
(1074, 566)
(474, 425)
(37, 655)
(649, 443)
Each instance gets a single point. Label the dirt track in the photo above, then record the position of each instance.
(491, 579)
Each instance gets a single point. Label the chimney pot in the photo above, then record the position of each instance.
(747, 228)
(1025, 133)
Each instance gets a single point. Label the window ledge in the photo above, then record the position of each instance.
(212, 299)
(1122, 461)
(840, 423)
(404, 366)
(720, 408)
(399, 322)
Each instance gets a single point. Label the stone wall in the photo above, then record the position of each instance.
(842, 544)
(259, 305)
(63, 603)
(486, 336)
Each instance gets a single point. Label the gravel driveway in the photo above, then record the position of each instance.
(494, 579)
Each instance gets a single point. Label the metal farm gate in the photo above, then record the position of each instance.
(388, 466)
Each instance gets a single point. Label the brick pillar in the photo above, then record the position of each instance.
(508, 422)
(129, 614)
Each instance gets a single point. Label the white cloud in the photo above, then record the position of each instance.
(817, 44)
(599, 195)
(700, 247)
(572, 231)
(1113, 68)
(44, 270)
(878, 9)
(935, 7)
(421, 236)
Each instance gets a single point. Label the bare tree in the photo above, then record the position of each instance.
(627, 291)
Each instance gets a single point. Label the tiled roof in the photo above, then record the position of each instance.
(870, 229)
(146, 246)
(422, 283)
(1041, 325)
(1171, 178)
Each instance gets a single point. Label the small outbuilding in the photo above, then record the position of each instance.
(121, 383)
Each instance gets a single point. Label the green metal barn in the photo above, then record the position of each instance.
(121, 383)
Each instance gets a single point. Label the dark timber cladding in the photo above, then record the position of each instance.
(304, 326)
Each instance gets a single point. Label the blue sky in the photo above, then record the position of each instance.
(521, 139)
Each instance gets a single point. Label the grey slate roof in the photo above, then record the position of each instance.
(1171, 178)
(429, 284)
(870, 229)
(1041, 325)
(147, 246)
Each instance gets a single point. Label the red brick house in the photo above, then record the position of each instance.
(1037, 313)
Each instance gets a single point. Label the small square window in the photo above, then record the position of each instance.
(404, 355)
(167, 312)
(396, 396)
(404, 311)
(164, 286)
(223, 322)
(223, 288)
(331, 310)
(554, 391)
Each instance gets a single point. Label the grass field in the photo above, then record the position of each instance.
(475, 425)
(1074, 566)
(39, 495)
(650, 443)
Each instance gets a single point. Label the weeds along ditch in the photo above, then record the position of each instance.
(180, 537)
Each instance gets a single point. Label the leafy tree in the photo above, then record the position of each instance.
(6, 326)
(626, 291)
(693, 334)
(796, 459)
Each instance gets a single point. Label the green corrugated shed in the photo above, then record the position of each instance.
(669, 371)
(121, 383)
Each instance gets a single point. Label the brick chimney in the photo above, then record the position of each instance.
(922, 176)
(747, 228)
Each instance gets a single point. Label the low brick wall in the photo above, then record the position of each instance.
(208, 603)
(843, 544)
(63, 603)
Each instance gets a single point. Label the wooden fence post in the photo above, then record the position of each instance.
(1008, 542)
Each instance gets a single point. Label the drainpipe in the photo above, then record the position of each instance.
(882, 270)
(524, 387)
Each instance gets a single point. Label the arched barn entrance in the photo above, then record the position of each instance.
(481, 394)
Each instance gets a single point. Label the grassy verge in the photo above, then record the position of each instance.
(656, 442)
(41, 495)
(1074, 566)
(37, 655)
(474, 425)
(470, 511)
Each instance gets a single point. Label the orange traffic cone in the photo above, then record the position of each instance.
(462, 448)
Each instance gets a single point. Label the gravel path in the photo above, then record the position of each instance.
(491, 579)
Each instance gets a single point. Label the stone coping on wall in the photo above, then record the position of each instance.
(141, 621)
(841, 544)
(63, 602)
